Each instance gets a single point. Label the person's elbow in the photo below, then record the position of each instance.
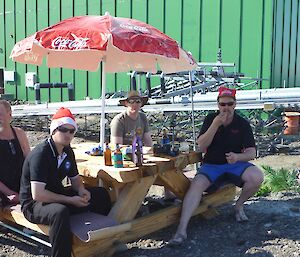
(38, 192)
(251, 153)
(201, 147)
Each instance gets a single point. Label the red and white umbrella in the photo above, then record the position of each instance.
(123, 44)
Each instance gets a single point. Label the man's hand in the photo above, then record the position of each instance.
(221, 119)
(79, 201)
(231, 157)
(85, 194)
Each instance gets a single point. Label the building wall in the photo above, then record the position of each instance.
(243, 29)
(286, 48)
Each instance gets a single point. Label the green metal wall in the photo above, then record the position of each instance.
(286, 54)
(243, 29)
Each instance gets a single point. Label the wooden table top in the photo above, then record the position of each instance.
(93, 166)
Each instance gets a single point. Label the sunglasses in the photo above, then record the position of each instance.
(132, 101)
(65, 130)
(228, 104)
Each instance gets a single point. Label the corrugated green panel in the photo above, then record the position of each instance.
(191, 27)
(293, 44)
(123, 9)
(94, 7)
(251, 38)
(297, 82)
(55, 73)
(277, 50)
(2, 34)
(67, 75)
(286, 43)
(267, 43)
(109, 6)
(156, 19)
(42, 22)
(156, 14)
(10, 88)
(81, 81)
(94, 78)
(31, 27)
(139, 10)
(210, 30)
(20, 34)
(230, 31)
(173, 17)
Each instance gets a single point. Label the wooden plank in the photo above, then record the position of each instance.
(209, 214)
(17, 217)
(164, 218)
(175, 181)
(130, 199)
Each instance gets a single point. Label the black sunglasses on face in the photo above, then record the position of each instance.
(65, 130)
(131, 101)
(228, 104)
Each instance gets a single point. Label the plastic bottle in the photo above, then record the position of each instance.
(118, 158)
(107, 156)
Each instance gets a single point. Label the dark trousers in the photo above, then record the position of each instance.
(57, 216)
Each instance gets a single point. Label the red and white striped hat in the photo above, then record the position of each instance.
(61, 117)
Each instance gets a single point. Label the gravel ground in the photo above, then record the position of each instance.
(271, 230)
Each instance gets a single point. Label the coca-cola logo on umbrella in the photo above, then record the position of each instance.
(71, 44)
(135, 28)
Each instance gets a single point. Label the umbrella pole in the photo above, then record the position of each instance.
(102, 119)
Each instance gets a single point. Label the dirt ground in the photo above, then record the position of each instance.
(273, 229)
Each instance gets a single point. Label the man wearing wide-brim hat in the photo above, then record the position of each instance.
(124, 125)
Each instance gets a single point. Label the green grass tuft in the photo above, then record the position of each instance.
(277, 180)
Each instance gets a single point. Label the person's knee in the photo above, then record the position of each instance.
(200, 183)
(61, 213)
(254, 176)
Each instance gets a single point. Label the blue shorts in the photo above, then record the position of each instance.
(220, 174)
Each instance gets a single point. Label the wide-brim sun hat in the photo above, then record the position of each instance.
(133, 95)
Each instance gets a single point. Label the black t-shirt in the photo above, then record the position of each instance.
(235, 137)
(41, 166)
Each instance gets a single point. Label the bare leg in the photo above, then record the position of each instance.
(191, 201)
(252, 177)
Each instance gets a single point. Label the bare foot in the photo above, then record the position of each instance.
(240, 215)
(178, 239)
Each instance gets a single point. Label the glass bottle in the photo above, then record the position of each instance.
(137, 148)
(107, 156)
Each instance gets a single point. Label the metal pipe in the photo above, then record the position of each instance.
(24, 234)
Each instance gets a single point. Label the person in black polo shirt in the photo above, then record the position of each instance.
(43, 197)
(228, 143)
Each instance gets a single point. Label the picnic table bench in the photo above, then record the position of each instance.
(128, 188)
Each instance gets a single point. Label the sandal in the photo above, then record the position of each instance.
(177, 240)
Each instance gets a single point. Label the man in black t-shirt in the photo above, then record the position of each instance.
(228, 143)
(44, 199)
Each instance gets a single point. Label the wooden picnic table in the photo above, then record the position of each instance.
(130, 185)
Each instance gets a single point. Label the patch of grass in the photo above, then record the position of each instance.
(277, 180)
